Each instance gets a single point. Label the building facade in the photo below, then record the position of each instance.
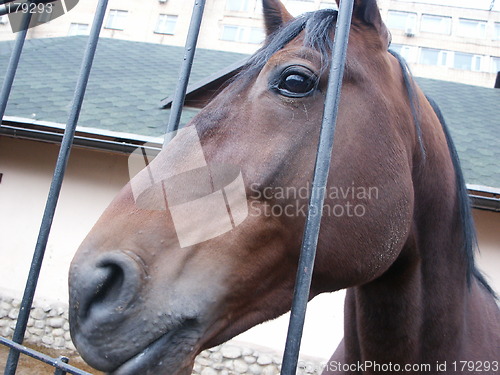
(442, 42)
(446, 43)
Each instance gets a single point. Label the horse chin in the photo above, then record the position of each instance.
(172, 353)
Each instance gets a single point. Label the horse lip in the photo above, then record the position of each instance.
(137, 363)
(153, 356)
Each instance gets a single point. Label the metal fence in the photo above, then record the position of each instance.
(321, 168)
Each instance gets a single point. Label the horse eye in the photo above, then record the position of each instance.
(296, 83)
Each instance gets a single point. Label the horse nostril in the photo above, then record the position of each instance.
(108, 286)
(104, 289)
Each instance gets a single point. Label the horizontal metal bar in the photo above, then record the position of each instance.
(55, 362)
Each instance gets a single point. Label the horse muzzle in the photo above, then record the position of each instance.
(112, 327)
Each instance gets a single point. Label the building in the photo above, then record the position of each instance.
(449, 43)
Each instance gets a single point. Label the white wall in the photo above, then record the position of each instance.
(92, 180)
(488, 258)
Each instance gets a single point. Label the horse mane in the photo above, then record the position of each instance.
(469, 230)
(464, 207)
(412, 97)
(318, 27)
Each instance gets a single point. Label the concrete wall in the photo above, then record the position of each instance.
(488, 232)
(93, 178)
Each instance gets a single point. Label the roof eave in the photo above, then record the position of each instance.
(200, 92)
(484, 197)
(94, 138)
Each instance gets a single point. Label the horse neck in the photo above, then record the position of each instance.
(419, 304)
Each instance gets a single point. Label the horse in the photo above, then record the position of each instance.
(146, 296)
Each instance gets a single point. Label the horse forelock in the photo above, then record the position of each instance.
(317, 27)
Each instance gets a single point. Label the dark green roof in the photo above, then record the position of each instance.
(129, 80)
(473, 116)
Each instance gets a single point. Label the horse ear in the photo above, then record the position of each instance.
(367, 12)
(275, 15)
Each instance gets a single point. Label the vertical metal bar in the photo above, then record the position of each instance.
(13, 63)
(185, 71)
(59, 371)
(55, 186)
(321, 169)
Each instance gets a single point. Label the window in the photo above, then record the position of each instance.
(407, 52)
(242, 34)
(462, 61)
(496, 34)
(327, 5)
(401, 20)
(476, 63)
(166, 24)
(444, 58)
(116, 19)
(238, 5)
(296, 7)
(495, 64)
(230, 33)
(396, 48)
(258, 10)
(467, 61)
(78, 29)
(429, 56)
(435, 24)
(471, 28)
(456, 60)
(256, 35)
